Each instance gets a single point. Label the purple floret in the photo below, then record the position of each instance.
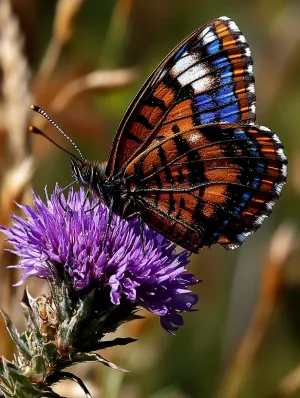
(72, 236)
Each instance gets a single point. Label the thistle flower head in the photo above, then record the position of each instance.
(72, 236)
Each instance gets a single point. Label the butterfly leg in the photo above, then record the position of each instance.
(142, 234)
(133, 215)
(66, 208)
(85, 198)
(131, 205)
(68, 186)
(95, 205)
(142, 231)
(109, 219)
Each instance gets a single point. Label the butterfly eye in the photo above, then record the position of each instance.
(86, 174)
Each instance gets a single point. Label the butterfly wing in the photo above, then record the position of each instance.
(207, 78)
(213, 184)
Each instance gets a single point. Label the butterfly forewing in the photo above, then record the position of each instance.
(207, 78)
(213, 184)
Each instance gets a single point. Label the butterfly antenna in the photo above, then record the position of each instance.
(37, 131)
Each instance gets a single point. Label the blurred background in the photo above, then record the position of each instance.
(83, 62)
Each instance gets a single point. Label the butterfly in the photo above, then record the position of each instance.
(187, 158)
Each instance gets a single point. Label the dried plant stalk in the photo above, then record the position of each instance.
(289, 385)
(116, 32)
(99, 80)
(15, 90)
(63, 27)
(283, 243)
(282, 46)
(15, 107)
(15, 112)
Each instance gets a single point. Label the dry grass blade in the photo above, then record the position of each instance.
(15, 83)
(99, 80)
(289, 385)
(282, 45)
(282, 244)
(16, 99)
(16, 105)
(116, 33)
(14, 182)
(66, 12)
(64, 22)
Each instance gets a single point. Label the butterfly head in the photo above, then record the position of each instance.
(90, 175)
(83, 172)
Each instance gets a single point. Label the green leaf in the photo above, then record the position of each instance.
(22, 346)
(39, 366)
(118, 341)
(50, 352)
(58, 376)
(94, 357)
(102, 345)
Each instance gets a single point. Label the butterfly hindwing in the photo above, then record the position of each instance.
(212, 184)
(207, 78)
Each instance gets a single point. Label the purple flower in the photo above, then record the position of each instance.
(72, 236)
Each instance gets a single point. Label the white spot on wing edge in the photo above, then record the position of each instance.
(204, 32)
(250, 69)
(224, 18)
(284, 170)
(242, 236)
(209, 38)
(270, 205)
(233, 26)
(232, 245)
(281, 154)
(260, 219)
(279, 187)
(247, 52)
(276, 139)
(251, 88)
(242, 39)
(264, 128)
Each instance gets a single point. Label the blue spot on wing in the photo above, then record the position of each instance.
(225, 94)
(221, 61)
(208, 117)
(245, 198)
(213, 105)
(230, 113)
(213, 47)
(253, 148)
(256, 181)
(226, 75)
(240, 134)
(212, 108)
(219, 103)
(260, 167)
(204, 101)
